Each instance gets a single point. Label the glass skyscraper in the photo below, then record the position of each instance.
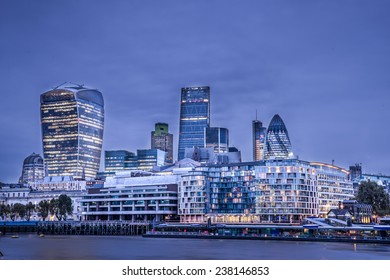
(194, 118)
(72, 118)
(278, 145)
(258, 134)
(218, 139)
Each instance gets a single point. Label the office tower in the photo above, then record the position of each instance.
(149, 158)
(72, 118)
(119, 160)
(33, 169)
(218, 139)
(278, 144)
(194, 118)
(258, 135)
(162, 140)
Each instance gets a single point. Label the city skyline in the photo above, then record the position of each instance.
(321, 66)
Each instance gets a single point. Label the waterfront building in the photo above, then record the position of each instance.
(16, 193)
(249, 192)
(162, 140)
(194, 118)
(231, 191)
(72, 118)
(278, 145)
(59, 183)
(192, 200)
(119, 160)
(137, 199)
(287, 191)
(361, 213)
(33, 169)
(258, 136)
(218, 139)
(13, 193)
(333, 186)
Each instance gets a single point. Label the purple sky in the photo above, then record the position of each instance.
(322, 65)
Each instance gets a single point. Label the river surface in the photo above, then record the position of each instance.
(54, 247)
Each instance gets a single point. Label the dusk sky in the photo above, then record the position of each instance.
(323, 66)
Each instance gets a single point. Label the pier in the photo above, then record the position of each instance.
(93, 228)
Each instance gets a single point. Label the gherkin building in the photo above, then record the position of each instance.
(278, 145)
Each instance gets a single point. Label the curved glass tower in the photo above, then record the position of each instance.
(278, 145)
(194, 118)
(72, 118)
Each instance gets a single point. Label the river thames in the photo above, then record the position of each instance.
(33, 247)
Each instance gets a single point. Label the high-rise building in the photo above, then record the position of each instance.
(149, 158)
(278, 145)
(162, 140)
(194, 118)
(72, 118)
(119, 160)
(33, 169)
(218, 139)
(258, 134)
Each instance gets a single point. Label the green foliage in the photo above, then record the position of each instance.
(44, 209)
(61, 207)
(371, 193)
(18, 210)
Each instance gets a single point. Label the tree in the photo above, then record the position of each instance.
(18, 210)
(65, 206)
(371, 193)
(44, 209)
(61, 207)
(30, 208)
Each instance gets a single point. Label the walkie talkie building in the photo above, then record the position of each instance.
(72, 119)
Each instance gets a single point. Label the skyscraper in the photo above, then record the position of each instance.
(162, 140)
(278, 144)
(72, 118)
(217, 138)
(194, 118)
(258, 135)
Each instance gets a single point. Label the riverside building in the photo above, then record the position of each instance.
(282, 190)
(333, 186)
(72, 118)
(143, 199)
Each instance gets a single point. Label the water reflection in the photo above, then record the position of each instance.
(33, 247)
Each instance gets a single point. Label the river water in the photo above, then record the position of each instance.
(33, 247)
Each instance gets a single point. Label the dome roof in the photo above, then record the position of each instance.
(33, 159)
(277, 124)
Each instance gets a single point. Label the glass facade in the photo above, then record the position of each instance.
(162, 140)
(194, 118)
(33, 169)
(333, 186)
(118, 160)
(72, 119)
(217, 138)
(258, 134)
(149, 158)
(287, 191)
(278, 144)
